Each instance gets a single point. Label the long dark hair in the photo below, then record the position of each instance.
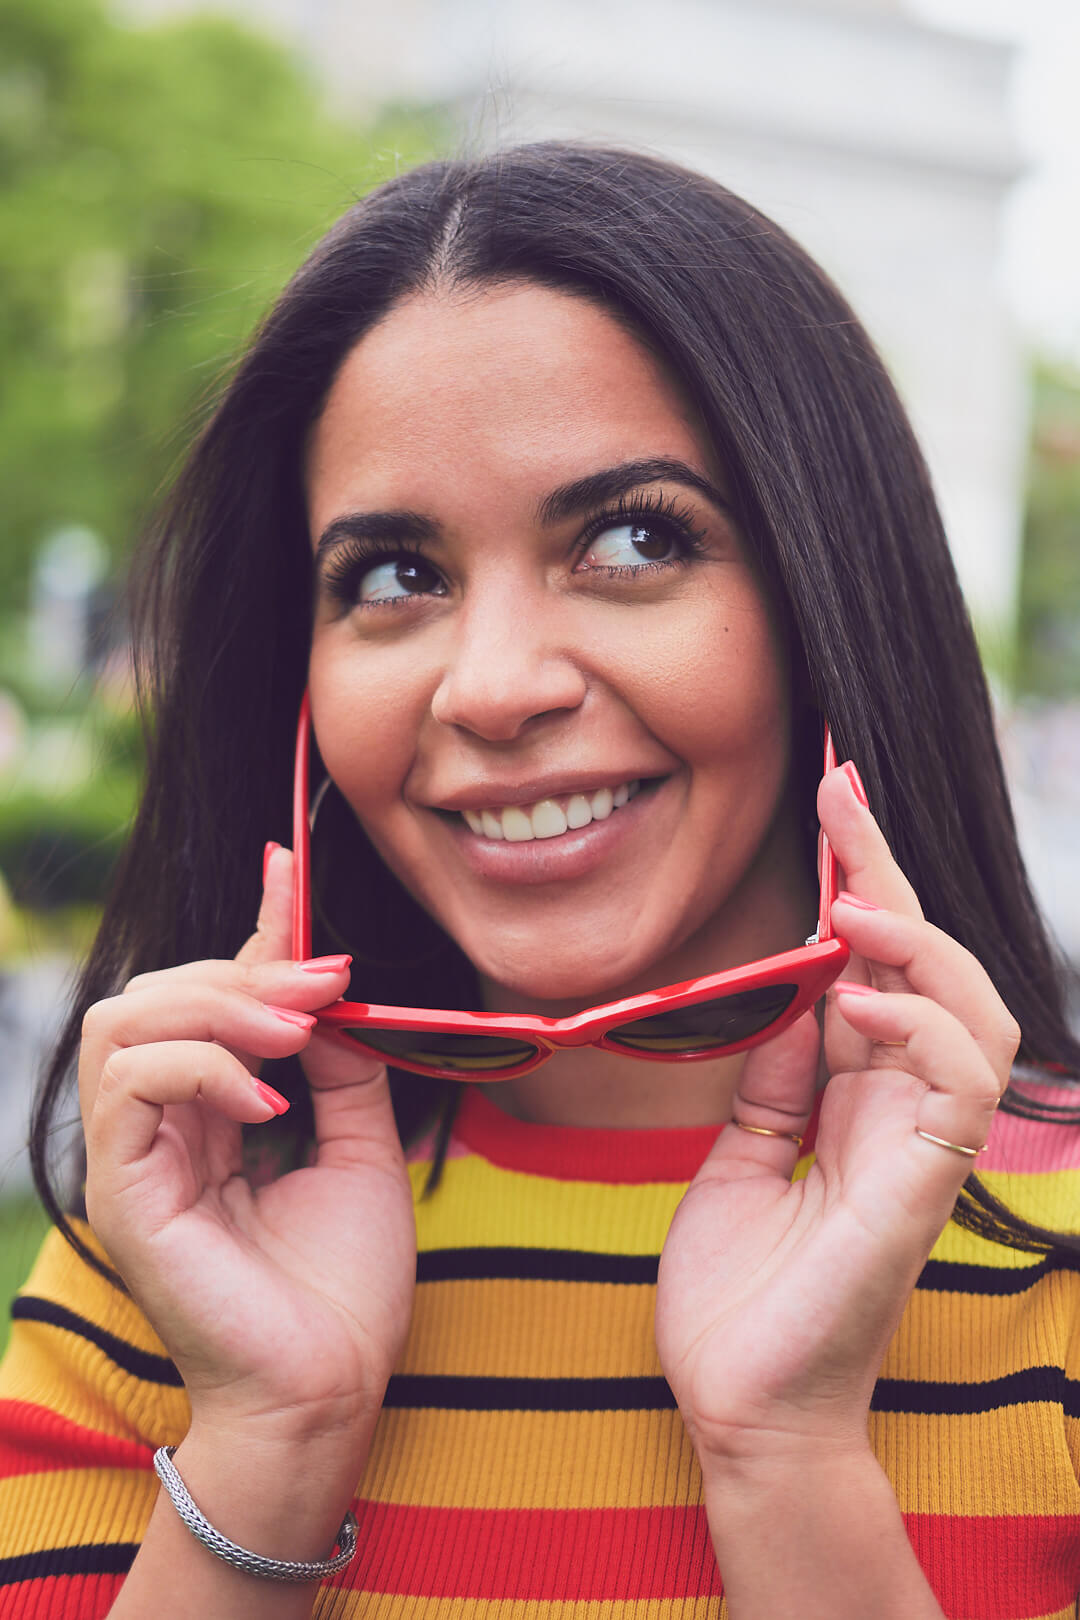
(830, 491)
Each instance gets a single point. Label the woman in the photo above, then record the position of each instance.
(578, 499)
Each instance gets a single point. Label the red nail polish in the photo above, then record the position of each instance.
(325, 964)
(855, 779)
(273, 1099)
(267, 852)
(287, 1016)
(848, 987)
(854, 900)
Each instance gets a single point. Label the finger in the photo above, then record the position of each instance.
(350, 1098)
(775, 1096)
(209, 1014)
(272, 938)
(859, 845)
(138, 1083)
(304, 985)
(905, 952)
(960, 1090)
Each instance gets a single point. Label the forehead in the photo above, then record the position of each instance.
(520, 384)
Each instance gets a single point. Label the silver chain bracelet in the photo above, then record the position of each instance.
(271, 1569)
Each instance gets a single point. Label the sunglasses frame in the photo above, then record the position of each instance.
(812, 968)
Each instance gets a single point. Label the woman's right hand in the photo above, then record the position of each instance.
(285, 1305)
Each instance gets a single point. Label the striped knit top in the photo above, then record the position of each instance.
(529, 1455)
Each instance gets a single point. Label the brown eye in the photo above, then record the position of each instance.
(625, 545)
(397, 578)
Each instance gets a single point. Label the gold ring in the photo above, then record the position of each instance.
(763, 1130)
(954, 1147)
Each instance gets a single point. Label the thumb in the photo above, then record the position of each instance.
(772, 1103)
(330, 1060)
(272, 939)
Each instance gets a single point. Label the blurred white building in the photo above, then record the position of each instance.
(882, 143)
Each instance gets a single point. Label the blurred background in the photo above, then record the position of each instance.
(164, 166)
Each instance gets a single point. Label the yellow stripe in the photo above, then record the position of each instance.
(74, 1508)
(967, 1338)
(61, 1276)
(1048, 1198)
(56, 1368)
(977, 1463)
(528, 1329)
(430, 1458)
(53, 1368)
(384, 1606)
(517, 1328)
(983, 1463)
(478, 1205)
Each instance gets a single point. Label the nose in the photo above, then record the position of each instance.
(507, 667)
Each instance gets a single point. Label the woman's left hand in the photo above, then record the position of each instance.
(777, 1299)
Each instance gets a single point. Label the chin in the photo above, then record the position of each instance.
(566, 980)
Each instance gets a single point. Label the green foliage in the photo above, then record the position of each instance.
(23, 1225)
(1049, 642)
(157, 187)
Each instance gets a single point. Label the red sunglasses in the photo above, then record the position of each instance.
(701, 1018)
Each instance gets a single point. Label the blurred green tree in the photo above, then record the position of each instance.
(1048, 663)
(157, 186)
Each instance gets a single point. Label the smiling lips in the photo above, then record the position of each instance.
(549, 818)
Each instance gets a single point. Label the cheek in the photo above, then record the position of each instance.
(717, 693)
(366, 721)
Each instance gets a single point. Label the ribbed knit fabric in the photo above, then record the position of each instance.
(529, 1456)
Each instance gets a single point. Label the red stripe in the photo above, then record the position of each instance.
(593, 1554)
(60, 1597)
(34, 1440)
(992, 1568)
(581, 1153)
(999, 1568)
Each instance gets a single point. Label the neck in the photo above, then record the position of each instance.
(585, 1086)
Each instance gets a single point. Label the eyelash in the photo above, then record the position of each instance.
(355, 556)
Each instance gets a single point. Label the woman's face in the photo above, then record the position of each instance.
(544, 673)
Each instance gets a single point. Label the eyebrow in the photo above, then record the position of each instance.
(595, 489)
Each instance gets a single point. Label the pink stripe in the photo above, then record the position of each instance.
(1032, 1147)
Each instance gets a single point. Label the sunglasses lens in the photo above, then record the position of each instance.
(442, 1049)
(707, 1025)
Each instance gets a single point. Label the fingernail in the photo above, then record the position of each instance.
(855, 779)
(850, 899)
(273, 1099)
(287, 1016)
(848, 987)
(267, 852)
(325, 964)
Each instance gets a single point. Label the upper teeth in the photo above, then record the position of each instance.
(549, 817)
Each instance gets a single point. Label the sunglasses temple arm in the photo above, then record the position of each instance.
(828, 859)
(301, 906)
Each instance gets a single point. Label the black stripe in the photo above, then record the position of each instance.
(951, 1277)
(574, 1265)
(1019, 1388)
(114, 1558)
(531, 1394)
(140, 1363)
(542, 1265)
(901, 1395)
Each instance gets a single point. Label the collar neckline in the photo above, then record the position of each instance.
(590, 1153)
(580, 1153)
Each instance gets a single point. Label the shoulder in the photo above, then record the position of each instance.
(82, 1350)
